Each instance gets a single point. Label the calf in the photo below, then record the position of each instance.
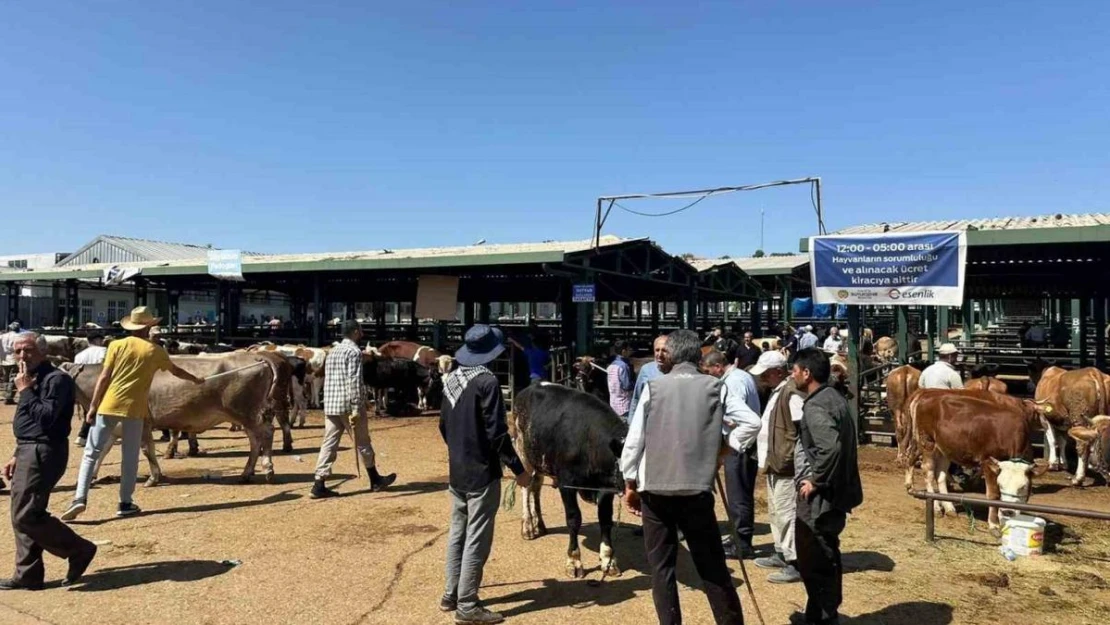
(576, 439)
(901, 384)
(974, 429)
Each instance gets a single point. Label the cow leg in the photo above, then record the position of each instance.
(942, 483)
(531, 525)
(574, 526)
(605, 520)
(1083, 451)
(1050, 446)
(194, 445)
(254, 437)
(928, 467)
(537, 511)
(267, 451)
(151, 456)
(171, 447)
(298, 405)
(991, 479)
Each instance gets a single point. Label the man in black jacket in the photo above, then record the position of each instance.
(472, 422)
(827, 475)
(41, 426)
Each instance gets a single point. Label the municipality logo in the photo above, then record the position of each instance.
(842, 294)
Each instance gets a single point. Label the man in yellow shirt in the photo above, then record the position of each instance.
(121, 398)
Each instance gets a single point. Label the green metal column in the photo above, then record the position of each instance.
(318, 320)
(221, 310)
(902, 333)
(607, 313)
(1100, 330)
(943, 319)
(929, 313)
(483, 312)
(1076, 320)
(969, 320)
(853, 367)
(787, 309)
(584, 327)
(689, 309)
(1084, 345)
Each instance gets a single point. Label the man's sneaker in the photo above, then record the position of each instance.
(785, 575)
(774, 562)
(448, 604)
(127, 509)
(73, 511)
(478, 616)
(79, 441)
(319, 491)
(385, 482)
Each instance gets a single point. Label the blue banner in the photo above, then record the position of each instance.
(584, 293)
(904, 269)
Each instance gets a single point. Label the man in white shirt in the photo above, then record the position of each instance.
(92, 355)
(832, 342)
(808, 339)
(8, 365)
(741, 399)
(942, 373)
(778, 438)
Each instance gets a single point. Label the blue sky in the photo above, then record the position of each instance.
(292, 126)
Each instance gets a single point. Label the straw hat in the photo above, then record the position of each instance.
(139, 319)
(948, 349)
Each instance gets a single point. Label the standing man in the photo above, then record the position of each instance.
(621, 383)
(122, 398)
(729, 347)
(41, 427)
(8, 366)
(651, 370)
(942, 373)
(345, 407)
(778, 438)
(741, 427)
(832, 341)
(828, 486)
(808, 339)
(748, 353)
(538, 354)
(669, 462)
(94, 354)
(472, 423)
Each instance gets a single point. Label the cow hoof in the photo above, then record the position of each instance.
(1056, 466)
(270, 479)
(196, 453)
(937, 508)
(151, 482)
(287, 449)
(611, 569)
(245, 479)
(996, 531)
(575, 569)
(531, 533)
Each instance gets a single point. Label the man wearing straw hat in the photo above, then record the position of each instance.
(345, 407)
(122, 398)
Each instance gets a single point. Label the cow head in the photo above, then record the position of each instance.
(1015, 478)
(1097, 439)
(1038, 410)
(445, 364)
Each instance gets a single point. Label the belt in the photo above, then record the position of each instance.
(38, 441)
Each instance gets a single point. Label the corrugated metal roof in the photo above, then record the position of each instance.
(566, 247)
(110, 250)
(705, 264)
(994, 223)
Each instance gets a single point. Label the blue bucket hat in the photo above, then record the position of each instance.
(483, 344)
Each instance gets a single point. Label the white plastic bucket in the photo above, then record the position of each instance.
(1024, 535)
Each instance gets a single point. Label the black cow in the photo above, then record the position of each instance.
(403, 375)
(576, 439)
(590, 377)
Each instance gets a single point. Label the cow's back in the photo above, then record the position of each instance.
(570, 435)
(239, 397)
(986, 383)
(399, 349)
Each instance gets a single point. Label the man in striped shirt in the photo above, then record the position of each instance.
(621, 382)
(345, 406)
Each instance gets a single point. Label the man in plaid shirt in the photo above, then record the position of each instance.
(345, 405)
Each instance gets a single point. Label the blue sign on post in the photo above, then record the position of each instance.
(226, 264)
(584, 293)
(905, 269)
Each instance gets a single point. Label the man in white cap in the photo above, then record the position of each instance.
(942, 373)
(122, 398)
(778, 437)
(8, 365)
(808, 339)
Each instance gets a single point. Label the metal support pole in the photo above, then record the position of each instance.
(757, 319)
(468, 314)
(931, 344)
(173, 300)
(607, 313)
(1076, 321)
(12, 313)
(943, 324)
(902, 333)
(140, 292)
(787, 309)
(1083, 343)
(705, 316)
(967, 311)
(654, 318)
(483, 312)
(930, 522)
(1100, 330)
(318, 320)
(853, 366)
(221, 310)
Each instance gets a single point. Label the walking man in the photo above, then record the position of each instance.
(41, 426)
(8, 367)
(778, 438)
(621, 384)
(741, 428)
(94, 354)
(669, 462)
(472, 423)
(122, 398)
(828, 486)
(345, 407)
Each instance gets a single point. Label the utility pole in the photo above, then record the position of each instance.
(761, 228)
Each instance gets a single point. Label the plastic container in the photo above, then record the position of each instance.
(1024, 535)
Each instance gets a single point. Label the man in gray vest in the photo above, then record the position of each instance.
(669, 462)
(827, 475)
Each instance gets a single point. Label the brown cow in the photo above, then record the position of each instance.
(1076, 398)
(986, 383)
(1094, 442)
(901, 384)
(243, 395)
(426, 356)
(974, 429)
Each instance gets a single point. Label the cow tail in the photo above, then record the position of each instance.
(911, 432)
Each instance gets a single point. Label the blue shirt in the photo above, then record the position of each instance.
(647, 373)
(538, 359)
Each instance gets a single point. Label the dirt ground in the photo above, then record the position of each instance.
(377, 558)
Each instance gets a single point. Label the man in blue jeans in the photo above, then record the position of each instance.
(472, 422)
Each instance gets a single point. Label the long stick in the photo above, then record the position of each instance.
(214, 376)
(736, 537)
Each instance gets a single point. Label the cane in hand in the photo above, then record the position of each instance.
(736, 540)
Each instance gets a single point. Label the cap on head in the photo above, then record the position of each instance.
(947, 349)
(768, 360)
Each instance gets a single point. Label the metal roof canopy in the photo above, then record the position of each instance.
(623, 270)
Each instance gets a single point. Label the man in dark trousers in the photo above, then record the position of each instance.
(41, 425)
(472, 422)
(669, 462)
(827, 476)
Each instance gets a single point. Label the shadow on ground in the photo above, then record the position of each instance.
(115, 578)
(911, 613)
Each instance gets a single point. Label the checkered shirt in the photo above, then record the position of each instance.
(344, 392)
